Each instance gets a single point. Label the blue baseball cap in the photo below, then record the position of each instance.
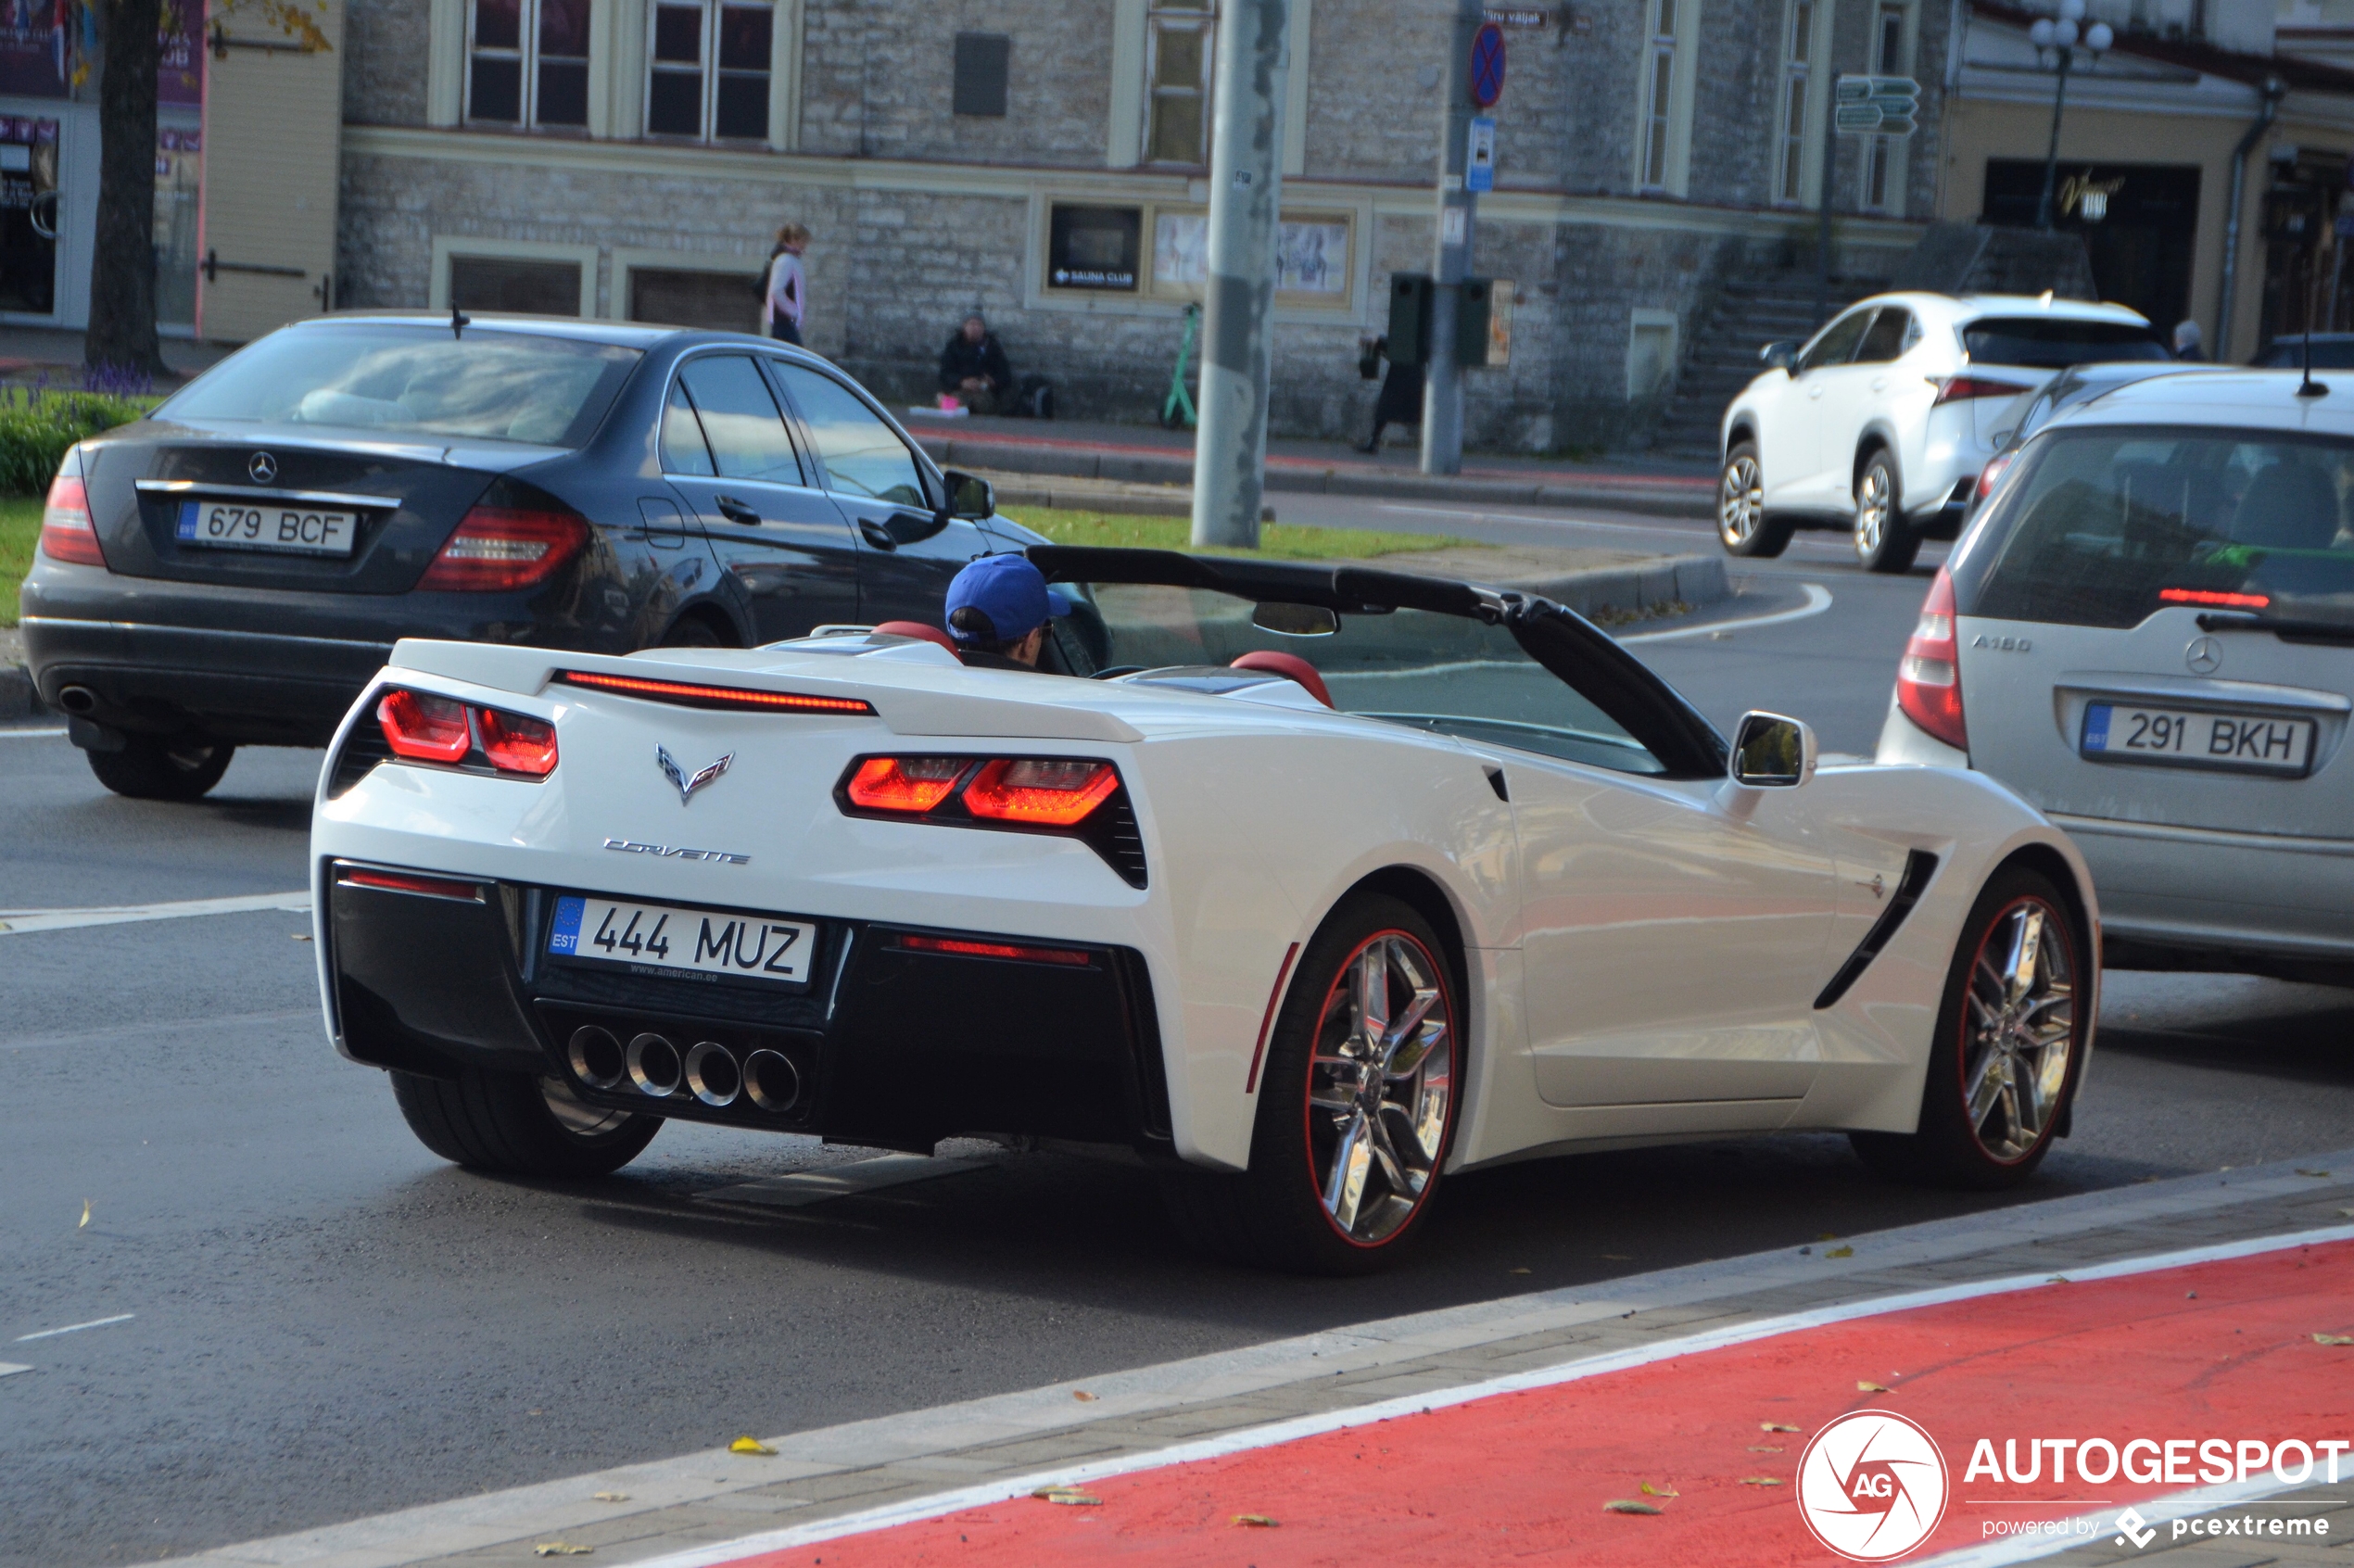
(1010, 591)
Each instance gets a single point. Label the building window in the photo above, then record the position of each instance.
(1659, 96)
(982, 63)
(527, 63)
(1789, 179)
(1888, 60)
(1095, 249)
(505, 283)
(707, 71)
(1179, 35)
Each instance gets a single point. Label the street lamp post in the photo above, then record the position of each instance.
(2062, 35)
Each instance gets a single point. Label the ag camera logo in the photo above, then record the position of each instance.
(1872, 1486)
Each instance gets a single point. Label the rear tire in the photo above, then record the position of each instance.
(157, 767)
(692, 632)
(1336, 1187)
(519, 1124)
(2018, 1043)
(1884, 541)
(1742, 527)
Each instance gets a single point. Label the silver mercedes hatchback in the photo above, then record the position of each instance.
(2148, 633)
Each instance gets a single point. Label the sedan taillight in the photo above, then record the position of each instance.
(67, 533)
(498, 548)
(423, 728)
(1928, 681)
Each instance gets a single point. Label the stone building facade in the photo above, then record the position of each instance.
(1043, 160)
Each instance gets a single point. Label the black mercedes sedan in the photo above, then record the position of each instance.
(233, 569)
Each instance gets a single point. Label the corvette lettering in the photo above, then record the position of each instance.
(672, 852)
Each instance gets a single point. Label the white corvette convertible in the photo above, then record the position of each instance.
(1303, 885)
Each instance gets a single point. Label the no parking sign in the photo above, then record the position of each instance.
(1487, 65)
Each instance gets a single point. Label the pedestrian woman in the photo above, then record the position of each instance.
(787, 294)
(1402, 393)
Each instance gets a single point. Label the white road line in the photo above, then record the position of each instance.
(77, 1328)
(805, 1187)
(14, 734)
(18, 921)
(1818, 599)
(1291, 1431)
(7, 1368)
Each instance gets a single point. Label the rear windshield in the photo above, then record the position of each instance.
(416, 380)
(2104, 527)
(2056, 343)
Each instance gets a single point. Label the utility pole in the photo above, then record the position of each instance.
(1246, 173)
(1450, 260)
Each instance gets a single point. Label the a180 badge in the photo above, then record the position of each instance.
(1872, 1486)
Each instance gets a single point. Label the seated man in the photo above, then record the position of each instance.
(974, 369)
(998, 608)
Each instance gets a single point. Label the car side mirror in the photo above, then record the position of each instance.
(1773, 753)
(1780, 356)
(970, 498)
(912, 527)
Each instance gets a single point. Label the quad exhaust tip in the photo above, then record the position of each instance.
(771, 1081)
(597, 1058)
(653, 1066)
(713, 1075)
(709, 1072)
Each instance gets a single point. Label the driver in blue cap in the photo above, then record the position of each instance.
(998, 608)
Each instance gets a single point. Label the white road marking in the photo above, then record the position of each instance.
(9, 1367)
(14, 734)
(1818, 599)
(805, 1187)
(77, 1328)
(18, 921)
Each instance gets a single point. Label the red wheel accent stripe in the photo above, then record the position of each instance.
(1267, 1020)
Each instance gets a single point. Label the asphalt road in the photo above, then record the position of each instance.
(326, 1321)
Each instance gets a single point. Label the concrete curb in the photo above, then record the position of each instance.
(1664, 497)
(1689, 579)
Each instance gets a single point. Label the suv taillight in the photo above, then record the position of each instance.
(498, 548)
(1960, 389)
(67, 533)
(1928, 682)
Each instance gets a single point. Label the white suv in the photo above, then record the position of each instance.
(1881, 422)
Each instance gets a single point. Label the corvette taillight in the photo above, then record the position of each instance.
(912, 785)
(1961, 388)
(67, 533)
(1928, 681)
(423, 728)
(1044, 792)
(498, 548)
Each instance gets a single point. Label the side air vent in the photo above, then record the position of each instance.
(1919, 866)
(1116, 838)
(361, 750)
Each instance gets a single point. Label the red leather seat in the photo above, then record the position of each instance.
(1291, 667)
(917, 629)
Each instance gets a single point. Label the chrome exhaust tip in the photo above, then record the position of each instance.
(771, 1081)
(596, 1058)
(79, 700)
(653, 1066)
(713, 1075)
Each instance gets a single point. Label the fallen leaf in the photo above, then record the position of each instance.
(748, 1445)
(1840, 1252)
(2346, 1214)
(1516, 1270)
(1070, 1496)
(1761, 1480)
(1652, 1491)
(2302, 1172)
(2059, 1279)
(1762, 1448)
(1083, 1396)
(1862, 1387)
(305, 936)
(1775, 1426)
(1618, 1256)
(85, 1213)
(1628, 1505)
(2334, 1339)
(1828, 1235)
(613, 1497)
(1256, 1520)
(560, 1549)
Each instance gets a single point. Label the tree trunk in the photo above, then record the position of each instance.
(123, 265)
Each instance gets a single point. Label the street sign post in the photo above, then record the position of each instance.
(1479, 158)
(1876, 106)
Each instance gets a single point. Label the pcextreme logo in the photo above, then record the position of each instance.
(1872, 1486)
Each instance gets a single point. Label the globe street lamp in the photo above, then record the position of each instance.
(2062, 36)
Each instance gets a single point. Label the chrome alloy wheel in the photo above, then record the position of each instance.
(1871, 511)
(1741, 502)
(1380, 1086)
(2020, 1030)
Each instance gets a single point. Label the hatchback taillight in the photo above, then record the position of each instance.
(1928, 681)
(67, 533)
(498, 549)
(1992, 475)
(423, 728)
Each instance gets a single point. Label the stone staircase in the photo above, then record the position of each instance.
(1750, 313)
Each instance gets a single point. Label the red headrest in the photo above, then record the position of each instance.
(917, 629)
(1291, 667)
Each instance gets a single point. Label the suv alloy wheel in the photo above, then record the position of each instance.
(1884, 541)
(1741, 524)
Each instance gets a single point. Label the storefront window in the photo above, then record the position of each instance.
(179, 170)
(28, 215)
(1095, 249)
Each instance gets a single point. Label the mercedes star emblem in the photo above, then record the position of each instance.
(261, 467)
(689, 783)
(2205, 655)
